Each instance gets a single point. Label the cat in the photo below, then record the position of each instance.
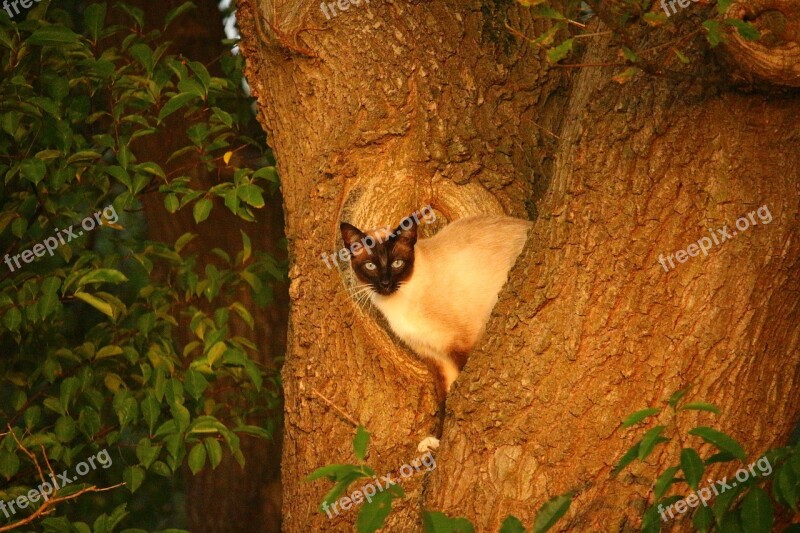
(437, 293)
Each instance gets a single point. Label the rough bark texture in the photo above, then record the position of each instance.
(393, 105)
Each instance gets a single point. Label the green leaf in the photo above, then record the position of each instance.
(202, 209)
(551, 512)
(33, 170)
(333, 472)
(197, 458)
(65, 429)
(223, 116)
(173, 104)
(701, 406)
(545, 11)
(183, 240)
(757, 511)
(721, 457)
(69, 388)
(720, 440)
(251, 194)
(134, 12)
(361, 442)
(89, 421)
(629, 54)
(372, 515)
(256, 431)
(676, 397)
(649, 441)
(9, 463)
(267, 173)
(108, 351)
(723, 5)
(12, 318)
(195, 383)
(512, 525)
(638, 416)
(133, 477)
(192, 86)
(247, 247)
(692, 466)
(151, 168)
(436, 522)
(53, 36)
(557, 53)
(786, 485)
(102, 275)
(724, 500)
(177, 11)
(731, 523)
(214, 450)
(747, 31)
(95, 302)
(651, 523)
(144, 55)
(664, 482)
(171, 203)
(338, 489)
(714, 32)
(201, 72)
(626, 75)
(151, 410)
(146, 452)
(630, 455)
(120, 174)
(93, 17)
(655, 19)
(703, 519)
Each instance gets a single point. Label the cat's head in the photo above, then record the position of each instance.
(384, 260)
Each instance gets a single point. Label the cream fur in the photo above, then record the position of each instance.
(458, 273)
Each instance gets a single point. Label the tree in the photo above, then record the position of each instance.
(132, 354)
(378, 108)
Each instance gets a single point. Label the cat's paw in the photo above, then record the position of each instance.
(428, 444)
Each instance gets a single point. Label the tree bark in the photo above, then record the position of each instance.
(390, 106)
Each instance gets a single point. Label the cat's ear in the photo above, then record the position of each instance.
(350, 234)
(406, 232)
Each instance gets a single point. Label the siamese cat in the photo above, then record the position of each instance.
(437, 293)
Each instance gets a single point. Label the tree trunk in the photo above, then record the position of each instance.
(391, 105)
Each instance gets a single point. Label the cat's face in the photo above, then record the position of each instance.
(383, 261)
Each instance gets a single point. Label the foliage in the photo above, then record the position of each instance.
(740, 505)
(546, 517)
(373, 514)
(669, 47)
(114, 342)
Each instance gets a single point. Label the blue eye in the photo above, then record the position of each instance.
(397, 263)
(370, 266)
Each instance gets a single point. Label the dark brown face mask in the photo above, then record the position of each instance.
(384, 264)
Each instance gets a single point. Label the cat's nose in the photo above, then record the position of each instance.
(385, 284)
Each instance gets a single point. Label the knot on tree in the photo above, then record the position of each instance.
(774, 59)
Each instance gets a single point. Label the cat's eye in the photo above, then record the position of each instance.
(370, 266)
(397, 263)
